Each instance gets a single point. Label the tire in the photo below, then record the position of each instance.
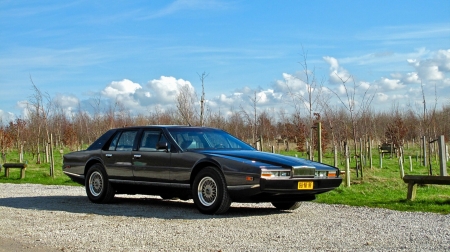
(286, 205)
(98, 187)
(209, 192)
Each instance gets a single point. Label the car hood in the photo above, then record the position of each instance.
(266, 158)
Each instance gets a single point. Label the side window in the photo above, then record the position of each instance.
(113, 144)
(126, 141)
(149, 140)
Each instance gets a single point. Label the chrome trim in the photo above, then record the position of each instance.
(303, 171)
(73, 174)
(174, 185)
(242, 187)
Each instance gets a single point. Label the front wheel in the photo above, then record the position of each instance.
(98, 188)
(210, 193)
(286, 205)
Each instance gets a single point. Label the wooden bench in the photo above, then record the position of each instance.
(386, 148)
(22, 167)
(413, 180)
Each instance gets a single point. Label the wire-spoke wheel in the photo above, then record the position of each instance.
(209, 191)
(96, 183)
(98, 188)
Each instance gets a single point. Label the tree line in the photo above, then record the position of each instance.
(47, 120)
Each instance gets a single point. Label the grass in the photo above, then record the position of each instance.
(379, 188)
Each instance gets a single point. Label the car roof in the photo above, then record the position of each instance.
(165, 126)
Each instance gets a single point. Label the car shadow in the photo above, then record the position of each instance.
(131, 207)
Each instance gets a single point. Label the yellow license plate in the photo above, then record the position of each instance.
(305, 185)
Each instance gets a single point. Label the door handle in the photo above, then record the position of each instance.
(108, 155)
(137, 155)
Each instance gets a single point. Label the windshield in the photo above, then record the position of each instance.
(206, 138)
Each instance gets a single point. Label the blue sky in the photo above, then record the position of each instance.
(141, 52)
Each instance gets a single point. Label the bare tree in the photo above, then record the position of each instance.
(202, 98)
(185, 104)
(252, 119)
(350, 104)
(308, 100)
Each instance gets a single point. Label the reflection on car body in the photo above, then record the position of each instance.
(208, 165)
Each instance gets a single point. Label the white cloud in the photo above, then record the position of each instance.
(166, 89)
(123, 87)
(411, 78)
(391, 84)
(381, 97)
(6, 117)
(66, 101)
(337, 73)
(432, 69)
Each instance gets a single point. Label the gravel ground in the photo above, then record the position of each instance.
(61, 218)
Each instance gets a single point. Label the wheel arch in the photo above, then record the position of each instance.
(92, 162)
(203, 164)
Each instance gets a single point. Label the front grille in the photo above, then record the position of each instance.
(304, 171)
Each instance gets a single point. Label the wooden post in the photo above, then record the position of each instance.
(311, 154)
(47, 151)
(21, 154)
(400, 164)
(273, 149)
(446, 151)
(424, 151)
(261, 140)
(370, 154)
(335, 157)
(442, 154)
(410, 164)
(347, 168)
(411, 195)
(52, 162)
(319, 141)
(381, 160)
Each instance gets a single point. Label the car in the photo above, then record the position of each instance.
(208, 165)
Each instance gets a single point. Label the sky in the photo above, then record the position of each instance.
(140, 53)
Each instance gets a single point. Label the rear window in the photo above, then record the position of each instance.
(100, 142)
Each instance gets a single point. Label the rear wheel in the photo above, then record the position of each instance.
(286, 205)
(98, 188)
(210, 193)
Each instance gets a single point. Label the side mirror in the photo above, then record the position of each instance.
(162, 146)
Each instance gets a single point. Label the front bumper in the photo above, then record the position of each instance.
(270, 190)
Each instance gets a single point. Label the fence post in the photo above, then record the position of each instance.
(400, 164)
(424, 151)
(319, 141)
(410, 164)
(442, 154)
(335, 157)
(370, 154)
(347, 167)
(381, 160)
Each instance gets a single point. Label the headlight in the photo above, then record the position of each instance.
(321, 174)
(275, 173)
(325, 174)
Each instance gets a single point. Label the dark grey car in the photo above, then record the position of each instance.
(208, 165)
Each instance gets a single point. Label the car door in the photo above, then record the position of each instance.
(149, 163)
(117, 158)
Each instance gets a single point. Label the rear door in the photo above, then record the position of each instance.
(150, 164)
(117, 158)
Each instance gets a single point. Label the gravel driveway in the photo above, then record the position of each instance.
(61, 218)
